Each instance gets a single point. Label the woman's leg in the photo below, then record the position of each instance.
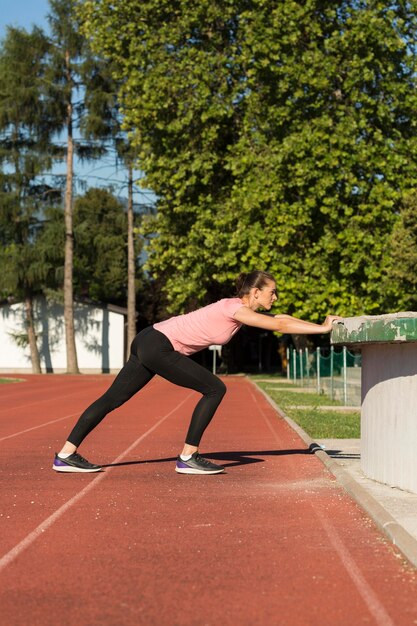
(157, 353)
(152, 353)
(131, 378)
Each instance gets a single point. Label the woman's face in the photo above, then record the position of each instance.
(267, 295)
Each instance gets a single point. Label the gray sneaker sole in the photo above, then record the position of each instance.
(71, 468)
(191, 470)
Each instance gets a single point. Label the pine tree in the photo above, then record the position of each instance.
(24, 155)
(79, 86)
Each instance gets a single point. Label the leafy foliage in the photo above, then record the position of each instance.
(401, 265)
(100, 260)
(276, 135)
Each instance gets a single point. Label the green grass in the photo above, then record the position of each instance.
(324, 424)
(316, 421)
(298, 398)
(4, 381)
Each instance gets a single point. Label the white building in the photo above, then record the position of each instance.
(100, 337)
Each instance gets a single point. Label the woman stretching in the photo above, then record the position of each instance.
(164, 349)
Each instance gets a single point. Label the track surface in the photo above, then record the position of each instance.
(274, 540)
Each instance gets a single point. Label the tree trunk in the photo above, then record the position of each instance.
(34, 352)
(72, 363)
(131, 291)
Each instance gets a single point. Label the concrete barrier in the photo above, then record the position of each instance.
(389, 394)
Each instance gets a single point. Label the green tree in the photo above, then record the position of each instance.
(80, 87)
(401, 259)
(24, 155)
(54, 88)
(100, 260)
(275, 135)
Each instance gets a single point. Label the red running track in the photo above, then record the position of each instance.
(274, 540)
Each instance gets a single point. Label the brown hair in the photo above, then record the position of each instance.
(246, 282)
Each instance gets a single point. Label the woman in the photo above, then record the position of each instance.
(164, 349)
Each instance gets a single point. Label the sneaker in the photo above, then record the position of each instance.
(74, 463)
(197, 465)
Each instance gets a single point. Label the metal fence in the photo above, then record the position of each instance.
(337, 373)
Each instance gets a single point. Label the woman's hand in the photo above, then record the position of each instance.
(328, 322)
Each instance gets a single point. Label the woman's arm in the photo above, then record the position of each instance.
(283, 323)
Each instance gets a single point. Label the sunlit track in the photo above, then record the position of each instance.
(277, 538)
(48, 400)
(53, 394)
(29, 539)
(27, 430)
(374, 604)
(364, 589)
(81, 387)
(35, 387)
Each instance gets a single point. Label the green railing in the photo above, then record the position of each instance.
(335, 372)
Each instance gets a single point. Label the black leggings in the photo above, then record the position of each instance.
(152, 353)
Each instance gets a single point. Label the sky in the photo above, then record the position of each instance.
(24, 13)
(28, 13)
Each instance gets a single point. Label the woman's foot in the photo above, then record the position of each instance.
(196, 464)
(74, 463)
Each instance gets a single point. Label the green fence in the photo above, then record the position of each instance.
(336, 373)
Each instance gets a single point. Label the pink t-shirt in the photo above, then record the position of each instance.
(213, 324)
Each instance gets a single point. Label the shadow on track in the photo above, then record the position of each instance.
(229, 459)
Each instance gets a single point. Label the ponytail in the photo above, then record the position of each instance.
(256, 279)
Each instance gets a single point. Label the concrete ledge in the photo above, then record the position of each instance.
(366, 329)
(396, 534)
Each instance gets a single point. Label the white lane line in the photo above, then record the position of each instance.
(42, 401)
(266, 420)
(370, 598)
(31, 537)
(45, 423)
(368, 595)
(21, 432)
